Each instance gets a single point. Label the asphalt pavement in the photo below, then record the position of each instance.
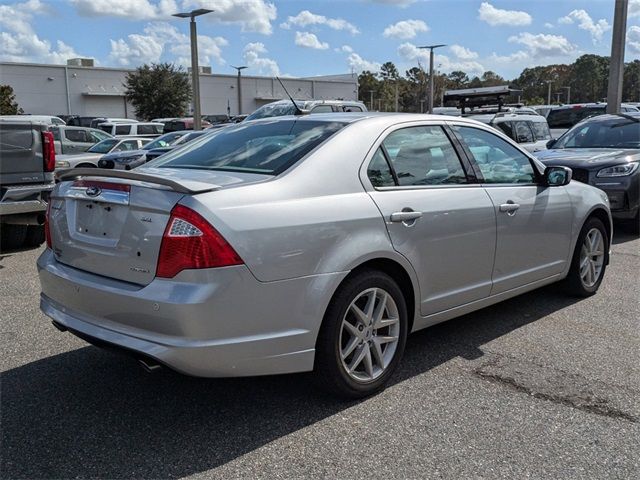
(540, 386)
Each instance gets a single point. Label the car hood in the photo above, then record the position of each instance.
(587, 157)
(125, 154)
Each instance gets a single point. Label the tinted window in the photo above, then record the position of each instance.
(523, 132)
(498, 161)
(268, 147)
(15, 137)
(123, 129)
(165, 140)
(568, 117)
(507, 128)
(614, 133)
(276, 109)
(423, 156)
(540, 130)
(74, 135)
(379, 172)
(352, 108)
(105, 128)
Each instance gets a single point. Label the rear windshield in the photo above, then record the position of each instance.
(275, 109)
(615, 133)
(268, 147)
(568, 117)
(15, 137)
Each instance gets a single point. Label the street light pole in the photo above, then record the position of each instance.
(431, 49)
(548, 82)
(616, 66)
(239, 69)
(195, 70)
(568, 89)
(371, 100)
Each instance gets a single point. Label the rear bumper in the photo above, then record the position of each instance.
(210, 323)
(25, 199)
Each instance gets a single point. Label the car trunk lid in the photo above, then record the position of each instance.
(111, 223)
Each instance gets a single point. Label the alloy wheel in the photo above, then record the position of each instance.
(369, 335)
(591, 257)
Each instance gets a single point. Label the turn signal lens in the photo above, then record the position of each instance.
(190, 242)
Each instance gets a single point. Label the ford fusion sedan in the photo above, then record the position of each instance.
(90, 158)
(316, 242)
(604, 151)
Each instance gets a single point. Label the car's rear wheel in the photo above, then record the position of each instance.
(363, 335)
(589, 260)
(35, 236)
(12, 236)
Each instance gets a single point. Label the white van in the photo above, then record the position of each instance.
(98, 120)
(138, 129)
(48, 119)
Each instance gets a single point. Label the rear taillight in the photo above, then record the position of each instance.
(190, 242)
(47, 228)
(48, 152)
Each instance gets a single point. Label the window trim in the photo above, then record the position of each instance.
(379, 144)
(539, 177)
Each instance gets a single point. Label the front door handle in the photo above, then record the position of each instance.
(407, 216)
(510, 207)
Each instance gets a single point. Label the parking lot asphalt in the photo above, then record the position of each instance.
(540, 386)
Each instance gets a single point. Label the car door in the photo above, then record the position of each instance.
(533, 220)
(441, 221)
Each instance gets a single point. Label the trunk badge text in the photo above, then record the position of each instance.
(93, 191)
(139, 270)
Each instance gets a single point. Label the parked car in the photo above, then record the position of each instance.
(90, 158)
(98, 120)
(313, 243)
(138, 129)
(604, 151)
(285, 107)
(564, 117)
(126, 160)
(528, 129)
(46, 119)
(70, 140)
(27, 161)
(155, 152)
(79, 121)
(180, 124)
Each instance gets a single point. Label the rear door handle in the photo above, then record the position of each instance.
(405, 216)
(509, 207)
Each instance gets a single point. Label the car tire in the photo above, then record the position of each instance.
(35, 236)
(12, 236)
(367, 344)
(587, 269)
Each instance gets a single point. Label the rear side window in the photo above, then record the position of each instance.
(499, 162)
(352, 108)
(423, 156)
(507, 128)
(268, 147)
(148, 130)
(105, 128)
(123, 129)
(74, 135)
(322, 109)
(379, 171)
(540, 130)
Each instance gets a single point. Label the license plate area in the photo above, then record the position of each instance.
(94, 219)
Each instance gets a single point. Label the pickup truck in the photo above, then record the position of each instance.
(27, 163)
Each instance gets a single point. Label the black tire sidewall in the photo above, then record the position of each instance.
(574, 281)
(328, 362)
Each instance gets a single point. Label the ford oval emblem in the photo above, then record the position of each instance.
(93, 191)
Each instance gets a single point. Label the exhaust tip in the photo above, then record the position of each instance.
(149, 366)
(59, 326)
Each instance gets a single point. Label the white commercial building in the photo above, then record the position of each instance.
(98, 91)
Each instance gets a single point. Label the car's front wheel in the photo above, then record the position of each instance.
(589, 260)
(363, 335)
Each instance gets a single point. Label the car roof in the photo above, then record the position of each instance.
(612, 116)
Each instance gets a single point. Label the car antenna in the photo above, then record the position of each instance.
(295, 105)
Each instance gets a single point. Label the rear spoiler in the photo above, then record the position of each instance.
(182, 186)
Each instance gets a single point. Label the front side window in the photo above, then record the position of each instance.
(499, 162)
(423, 156)
(74, 135)
(268, 147)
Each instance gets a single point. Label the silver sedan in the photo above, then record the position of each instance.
(313, 243)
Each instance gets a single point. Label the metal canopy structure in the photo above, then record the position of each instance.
(477, 97)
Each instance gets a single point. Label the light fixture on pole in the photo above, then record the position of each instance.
(239, 69)
(195, 70)
(431, 49)
(549, 83)
(568, 89)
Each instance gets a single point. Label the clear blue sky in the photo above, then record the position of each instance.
(307, 38)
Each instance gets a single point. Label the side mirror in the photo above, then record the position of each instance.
(557, 176)
(551, 142)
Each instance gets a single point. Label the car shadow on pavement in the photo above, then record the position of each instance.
(91, 413)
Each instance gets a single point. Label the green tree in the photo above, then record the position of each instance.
(492, 79)
(631, 82)
(8, 104)
(457, 80)
(158, 90)
(368, 82)
(589, 78)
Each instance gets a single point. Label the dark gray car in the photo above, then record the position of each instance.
(604, 151)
